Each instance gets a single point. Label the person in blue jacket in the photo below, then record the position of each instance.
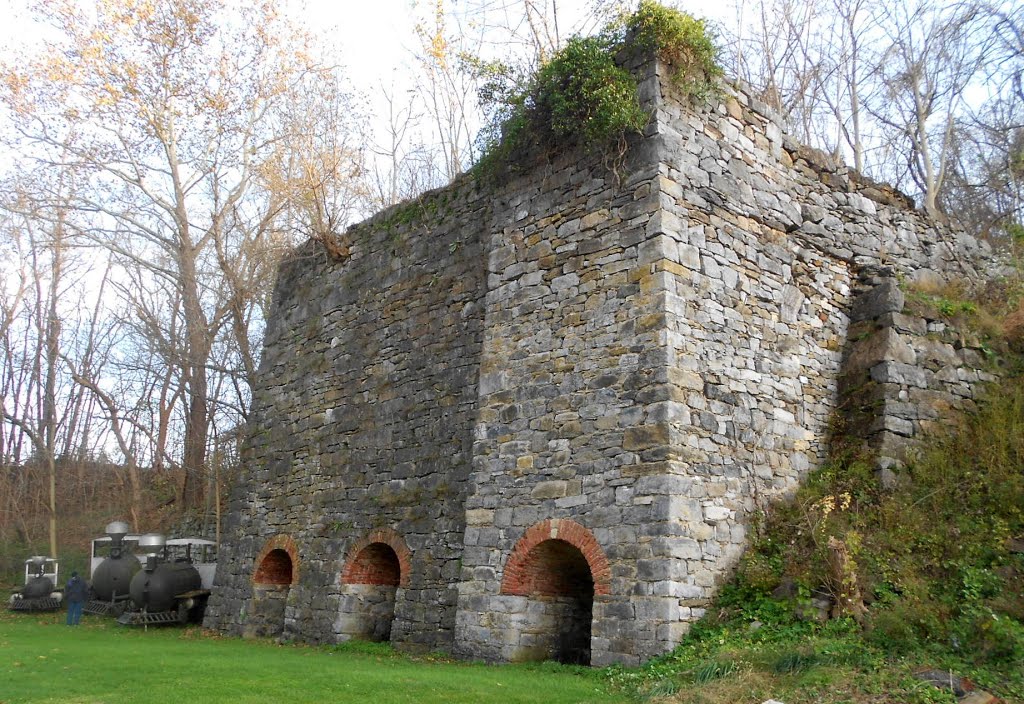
(75, 593)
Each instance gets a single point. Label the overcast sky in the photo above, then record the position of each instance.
(375, 38)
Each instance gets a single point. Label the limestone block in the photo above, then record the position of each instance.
(897, 373)
(555, 489)
(716, 514)
(938, 353)
(479, 517)
(884, 298)
(881, 345)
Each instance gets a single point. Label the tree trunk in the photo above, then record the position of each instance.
(195, 443)
(845, 586)
(50, 384)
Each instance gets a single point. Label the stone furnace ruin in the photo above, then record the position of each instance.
(532, 420)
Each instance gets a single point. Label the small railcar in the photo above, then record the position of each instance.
(173, 585)
(40, 591)
(111, 576)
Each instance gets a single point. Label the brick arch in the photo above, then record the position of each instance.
(271, 565)
(367, 561)
(520, 578)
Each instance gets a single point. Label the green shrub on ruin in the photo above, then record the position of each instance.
(580, 98)
(583, 97)
(680, 40)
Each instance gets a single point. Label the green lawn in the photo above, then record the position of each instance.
(42, 660)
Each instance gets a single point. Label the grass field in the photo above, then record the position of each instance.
(42, 660)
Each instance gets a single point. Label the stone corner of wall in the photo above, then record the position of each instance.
(905, 372)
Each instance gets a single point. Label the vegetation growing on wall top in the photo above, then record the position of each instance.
(583, 97)
(680, 40)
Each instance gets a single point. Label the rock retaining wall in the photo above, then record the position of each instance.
(907, 370)
(550, 406)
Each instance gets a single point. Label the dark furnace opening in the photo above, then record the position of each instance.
(374, 576)
(557, 574)
(271, 587)
(377, 563)
(276, 568)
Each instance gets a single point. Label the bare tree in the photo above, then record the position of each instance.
(784, 62)
(33, 407)
(892, 87)
(118, 426)
(852, 52)
(174, 112)
(934, 56)
(984, 186)
(448, 91)
(1006, 68)
(399, 167)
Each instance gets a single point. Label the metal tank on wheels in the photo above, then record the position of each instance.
(40, 592)
(112, 577)
(169, 588)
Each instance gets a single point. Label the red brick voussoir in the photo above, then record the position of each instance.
(362, 565)
(518, 577)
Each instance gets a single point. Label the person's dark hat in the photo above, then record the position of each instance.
(74, 574)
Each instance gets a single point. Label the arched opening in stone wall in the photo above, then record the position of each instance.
(559, 577)
(371, 582)
(276, 570)
(376, 564)
(560, 568)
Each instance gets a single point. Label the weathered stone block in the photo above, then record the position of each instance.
(885, 345)
(881, 299)
(645, 436)
(897, 373)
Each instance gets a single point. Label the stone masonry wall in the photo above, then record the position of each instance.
(907, 369)
(362, 418)
(553, 404)
(572, 367)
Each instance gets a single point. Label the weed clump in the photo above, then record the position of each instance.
(579, 98)
(680, 40)
(582, 97)
(713, 670)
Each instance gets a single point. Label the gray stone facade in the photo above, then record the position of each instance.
(531, 420)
